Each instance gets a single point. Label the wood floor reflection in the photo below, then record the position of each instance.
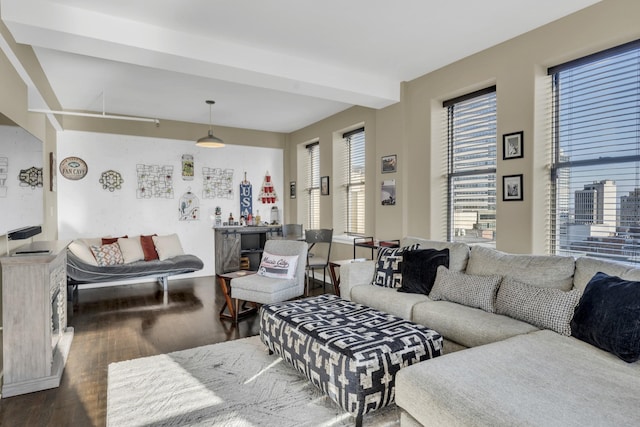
(119, 323)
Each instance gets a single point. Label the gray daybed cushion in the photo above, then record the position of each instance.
(79, 271)
(537, 379)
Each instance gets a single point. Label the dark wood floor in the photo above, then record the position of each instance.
(121, 323)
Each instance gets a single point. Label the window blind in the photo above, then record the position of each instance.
(595, 173)
(312, 186)
(471, 159)
(354, 171)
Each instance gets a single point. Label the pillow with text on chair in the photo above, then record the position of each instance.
(278, 266)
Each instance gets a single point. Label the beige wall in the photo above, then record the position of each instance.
(412, 129)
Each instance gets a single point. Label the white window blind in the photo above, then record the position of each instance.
(595, 174)
(471, 157)
(354, 185)
(312, 186)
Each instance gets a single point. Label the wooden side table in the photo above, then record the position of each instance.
(224, 280)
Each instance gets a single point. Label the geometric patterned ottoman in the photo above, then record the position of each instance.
(349, 351)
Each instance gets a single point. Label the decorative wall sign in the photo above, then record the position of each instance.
(246, 199)
(189, 207)
(111, 180)
(53, 173)
(188, 170)
(31, 177)
(324, 185)
(267, 192)
(217, 183)
(73, 168)
(154, 182)
(4, 171)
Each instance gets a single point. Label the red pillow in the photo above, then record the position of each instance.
(148, 248)
(110, 240)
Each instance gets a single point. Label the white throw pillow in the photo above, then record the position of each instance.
(167, 246)
(83, 252)
(278, 266)
(131, 249)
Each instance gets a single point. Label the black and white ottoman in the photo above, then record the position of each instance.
(350, 351)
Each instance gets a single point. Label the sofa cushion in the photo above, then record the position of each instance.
(108, 254)
(388, 263)
(537, 379)
(278, 266)
(587, 267)
(83, 251)
(458, 251)
(419, 268)
(538, 270)
(467, 326)
(148, 247)
(545, 308)
(167, 246)
(608, 316)
(131, 249)
(386, 299)
(466, 289)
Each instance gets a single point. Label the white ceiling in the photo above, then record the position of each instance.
(275, 65)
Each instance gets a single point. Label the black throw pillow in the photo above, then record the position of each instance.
(419, 269)
(608, 316)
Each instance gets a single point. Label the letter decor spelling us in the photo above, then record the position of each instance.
(73, 168)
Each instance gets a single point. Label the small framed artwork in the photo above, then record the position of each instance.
(292, 190)
(389, 163)
(53, 172)
(324, 185)
(512, 145)
(512, 187)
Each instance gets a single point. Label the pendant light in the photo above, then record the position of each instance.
(210, 141)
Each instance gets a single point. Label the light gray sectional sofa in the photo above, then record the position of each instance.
(518, 364)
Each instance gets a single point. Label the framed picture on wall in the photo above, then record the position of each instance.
(512, 145)
(512, 187)
(390, 163)
(324, 185)
(292, 190)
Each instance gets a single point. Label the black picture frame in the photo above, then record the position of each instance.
(389, 164)
(513, 145)
(324, 185)
(292, 190)
(512, 188)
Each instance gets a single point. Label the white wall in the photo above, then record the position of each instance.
(20, 205)
(85, 209)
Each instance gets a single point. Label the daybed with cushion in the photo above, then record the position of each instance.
(544, 340)
(113, 259)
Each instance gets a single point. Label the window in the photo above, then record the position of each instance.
(471, 178)
(595, 173)
(312, 188)
(352, 179)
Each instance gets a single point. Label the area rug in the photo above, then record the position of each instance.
(236, 383)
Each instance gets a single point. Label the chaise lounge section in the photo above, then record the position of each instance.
(510, 357)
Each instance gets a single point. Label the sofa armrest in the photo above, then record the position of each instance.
(353, 274)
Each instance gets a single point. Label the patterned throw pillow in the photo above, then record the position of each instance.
(546, 308)
(388, 273)
(466, 289)
(278, 266)
(108, 254)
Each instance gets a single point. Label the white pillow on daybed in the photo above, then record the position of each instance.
(83, 252)
(168, 246)
(131, 249)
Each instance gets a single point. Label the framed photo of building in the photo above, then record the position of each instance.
(512, 145)
(512, 188)
(292, 190)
